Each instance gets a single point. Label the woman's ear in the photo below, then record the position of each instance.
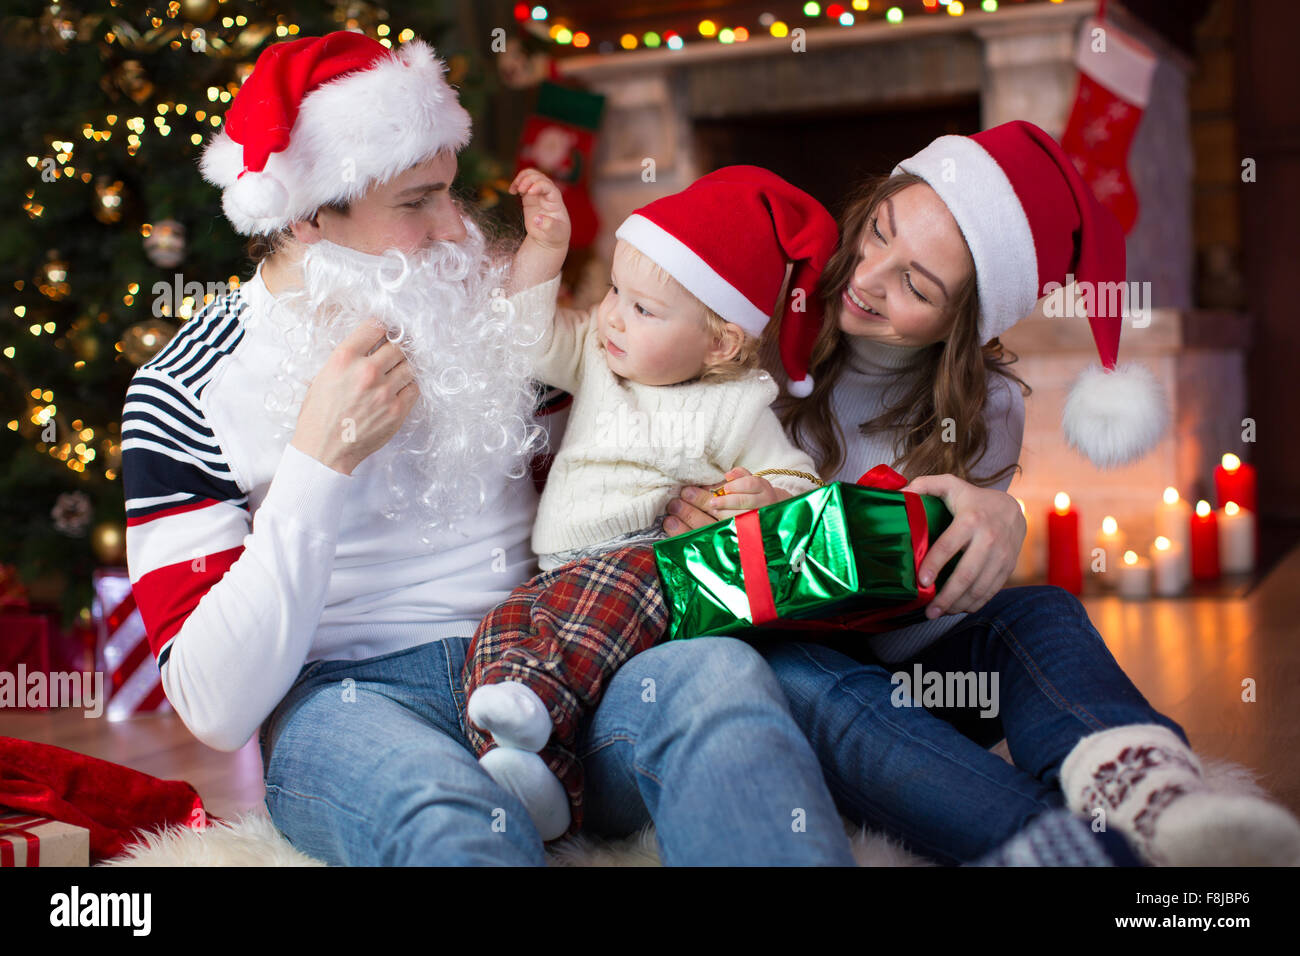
(726, 344)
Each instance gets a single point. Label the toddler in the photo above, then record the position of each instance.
(667, 392)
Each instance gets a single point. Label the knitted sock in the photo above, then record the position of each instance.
(1059, 838)
(526, 775)
(512, 714)
(1151, 788)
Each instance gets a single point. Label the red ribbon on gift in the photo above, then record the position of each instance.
(758, 587)
(14, 827)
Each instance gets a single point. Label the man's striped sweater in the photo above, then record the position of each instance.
(249, 559)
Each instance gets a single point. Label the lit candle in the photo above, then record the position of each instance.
(1029, 563)
(1167, 568)
(1133, 577)
(1173, 521)
(1111, 542)
(1063, 568)
(1234, 480)
(1236, 539)
(1205, 543)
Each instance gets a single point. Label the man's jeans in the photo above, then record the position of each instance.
(925, 775)
(367, 764)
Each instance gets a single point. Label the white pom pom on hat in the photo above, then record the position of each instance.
(801, 388)
(1115, 416)
(257, 196)
(1020, 203)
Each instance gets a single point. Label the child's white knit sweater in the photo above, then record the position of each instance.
(629, 448)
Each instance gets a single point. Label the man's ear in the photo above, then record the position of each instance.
(307, 231)
(726, 345)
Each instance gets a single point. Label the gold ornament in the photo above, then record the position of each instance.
(130, 78)
(53, 280)
(84, 341)
(142, 341)
(109, 197)
(198, 11)
(165, 244)
(112, 452)
(108, 541)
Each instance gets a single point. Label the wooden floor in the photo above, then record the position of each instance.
(1189, 656)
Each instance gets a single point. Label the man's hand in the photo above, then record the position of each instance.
(356, 402)
(989, 525)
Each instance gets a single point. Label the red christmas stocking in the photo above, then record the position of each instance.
(1115, 73)
(558, 140)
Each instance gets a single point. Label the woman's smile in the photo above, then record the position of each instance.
(859, 307)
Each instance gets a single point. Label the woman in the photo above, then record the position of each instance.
(935, 262)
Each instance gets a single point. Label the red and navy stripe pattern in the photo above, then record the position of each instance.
(186, 513)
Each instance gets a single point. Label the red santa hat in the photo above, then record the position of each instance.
(727, 239)
(321, 119)
(1021, 206)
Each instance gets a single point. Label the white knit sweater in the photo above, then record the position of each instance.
(629, 448)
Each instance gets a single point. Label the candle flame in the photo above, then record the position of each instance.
(1231, 462)
(1130, 557)
(1231, 508)
(1109, 525)
(1061, 502)
(1162, 543)
(1171, 496)
(1202, 508)
(1021, 502)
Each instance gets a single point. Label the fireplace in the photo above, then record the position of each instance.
(828, 152)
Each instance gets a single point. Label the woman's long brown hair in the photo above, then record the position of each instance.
(950, 379)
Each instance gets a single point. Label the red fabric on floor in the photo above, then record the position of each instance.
(109, 800)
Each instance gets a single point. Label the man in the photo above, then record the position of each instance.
(311, 559)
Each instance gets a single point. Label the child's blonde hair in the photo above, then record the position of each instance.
(746, 357)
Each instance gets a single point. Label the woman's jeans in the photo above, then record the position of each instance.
(924, 774)
(367, 764)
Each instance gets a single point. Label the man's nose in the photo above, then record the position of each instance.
(450, 228)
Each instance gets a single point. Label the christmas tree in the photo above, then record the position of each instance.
(112, 238)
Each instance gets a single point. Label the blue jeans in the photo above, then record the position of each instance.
(367, 764)
(925, 774)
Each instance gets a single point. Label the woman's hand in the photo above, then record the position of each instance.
(699, 507)
(989, 525)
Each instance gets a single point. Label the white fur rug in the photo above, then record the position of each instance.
(252, 840)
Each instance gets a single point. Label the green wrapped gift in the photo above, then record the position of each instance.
(843, 556)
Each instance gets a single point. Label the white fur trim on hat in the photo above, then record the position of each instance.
(1124, 66)
(352, 132)
(695, 275)
(982, 200)
(1115, 417)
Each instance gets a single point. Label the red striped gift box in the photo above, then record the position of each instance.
(131, 679)
(27, 840)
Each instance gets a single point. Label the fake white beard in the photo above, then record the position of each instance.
(472, 426)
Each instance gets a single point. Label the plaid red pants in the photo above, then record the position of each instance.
(563, 634)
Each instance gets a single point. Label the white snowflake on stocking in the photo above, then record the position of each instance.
(1096, 131)
(1107, 184)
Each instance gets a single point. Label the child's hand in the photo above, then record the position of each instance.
(741, 492)
(545, 217)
